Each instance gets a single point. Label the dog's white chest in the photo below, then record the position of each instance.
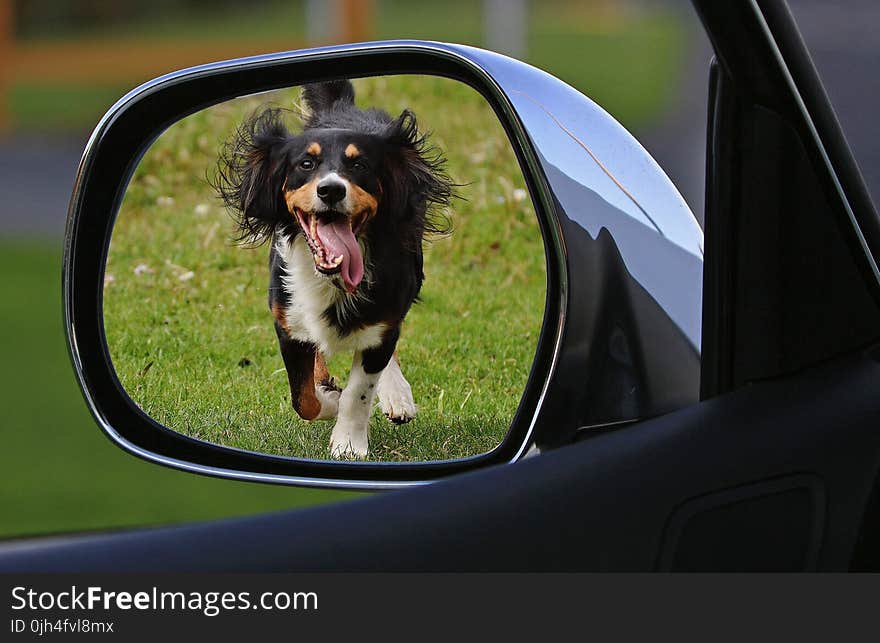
(311, 294)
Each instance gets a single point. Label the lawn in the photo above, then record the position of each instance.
(191, 336)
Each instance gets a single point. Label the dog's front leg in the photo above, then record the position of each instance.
(395, 394)
(350, 436)
(312, 400)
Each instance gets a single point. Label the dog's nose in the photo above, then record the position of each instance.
(331, 191)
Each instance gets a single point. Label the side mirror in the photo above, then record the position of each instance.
(615, 258)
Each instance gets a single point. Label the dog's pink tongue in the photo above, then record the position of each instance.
(338, 239)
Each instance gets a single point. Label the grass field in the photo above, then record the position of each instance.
(625, 58)
(192, 339)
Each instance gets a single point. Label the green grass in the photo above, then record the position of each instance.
(625, 59)
(273, 19)
(60, 473)
(192, 339)
(60, 106)
(629, 63)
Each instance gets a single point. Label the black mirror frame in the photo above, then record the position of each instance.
(111, 155)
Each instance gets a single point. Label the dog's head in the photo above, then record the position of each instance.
(350, 173)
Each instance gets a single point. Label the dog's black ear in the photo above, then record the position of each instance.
(250, 175)
(323, 97)
(419, 185)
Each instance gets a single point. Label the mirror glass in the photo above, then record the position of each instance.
(350, 269)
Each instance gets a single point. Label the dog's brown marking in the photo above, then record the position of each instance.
(322, 375)
(280, 316)
(314, 149)
(302, 197)
(352, 151)
(365, 206)
(305, 401)
(299, 362)
(321, 372)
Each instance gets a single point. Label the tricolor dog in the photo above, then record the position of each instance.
(346, 205)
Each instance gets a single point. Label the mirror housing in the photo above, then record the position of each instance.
(621, 331)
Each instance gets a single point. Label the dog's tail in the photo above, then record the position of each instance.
(323, 97)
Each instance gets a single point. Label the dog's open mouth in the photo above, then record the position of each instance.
(334, 246)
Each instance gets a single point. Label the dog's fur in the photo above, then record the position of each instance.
(346, 205)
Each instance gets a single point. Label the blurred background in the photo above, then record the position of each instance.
(64, 62)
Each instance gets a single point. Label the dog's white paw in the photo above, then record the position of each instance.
(348, 442)
(328, 396)
(396, 398)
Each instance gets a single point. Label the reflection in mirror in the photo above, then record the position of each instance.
(339, 212)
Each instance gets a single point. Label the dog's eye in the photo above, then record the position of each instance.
(359, 165)
(307, 164)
